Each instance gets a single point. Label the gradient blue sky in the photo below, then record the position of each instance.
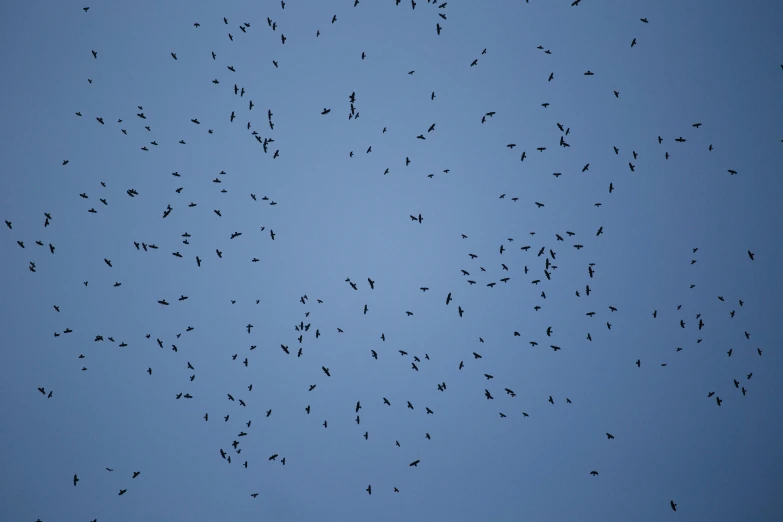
(338, 217)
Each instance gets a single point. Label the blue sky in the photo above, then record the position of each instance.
(339, 217)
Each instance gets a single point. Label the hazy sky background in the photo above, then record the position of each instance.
(338, 217)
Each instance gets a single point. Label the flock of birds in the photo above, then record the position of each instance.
(520, 264)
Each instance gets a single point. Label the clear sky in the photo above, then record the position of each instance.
(339, 216)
